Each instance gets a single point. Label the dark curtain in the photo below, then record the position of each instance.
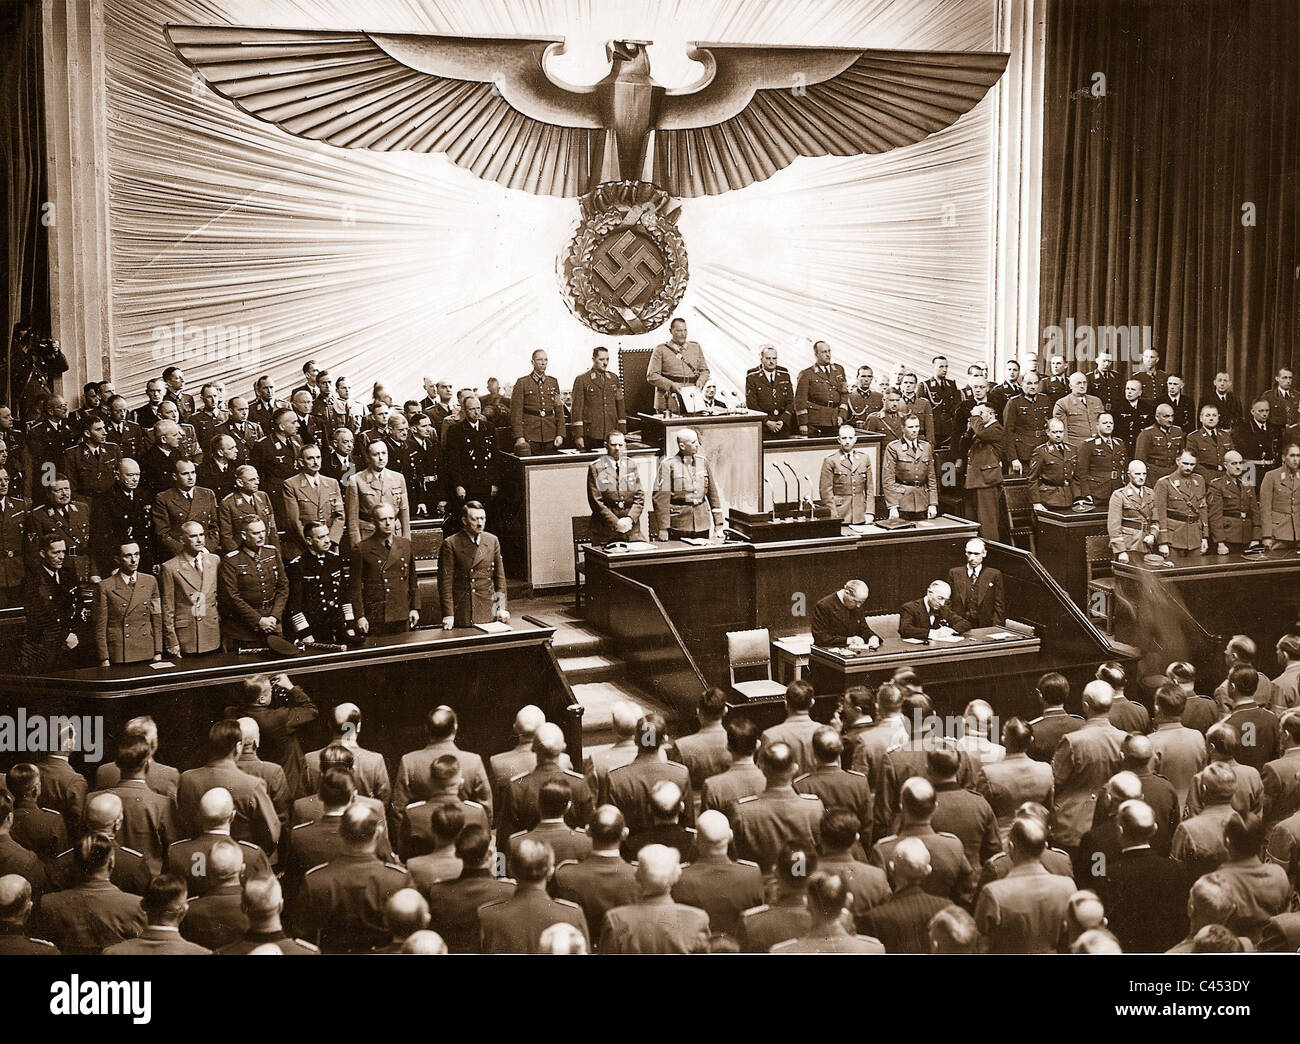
(24, 245)
(1144, 186)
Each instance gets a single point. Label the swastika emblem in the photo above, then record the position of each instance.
(628, 267)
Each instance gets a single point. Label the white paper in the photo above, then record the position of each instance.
(640, 545)
(162, 664)
(949, 638)
(696, 541)
(1001, 636)
(495, 627)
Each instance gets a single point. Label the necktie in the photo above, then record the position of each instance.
(972, 575)
(389, 543)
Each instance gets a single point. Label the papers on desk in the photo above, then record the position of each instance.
(1000, 636)
(495, 627)
(569, 452)
(860, 528)
(935, 636)
(638, 545)
(697, 541)
(914, 641)
(161, 665)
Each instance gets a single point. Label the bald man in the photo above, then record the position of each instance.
(1147, 906)
(655, 923)
(715, 883)
(1084, 760)
(15, 909)
(828, 902)
(1023, 912)
(369, 770)
(1232, 507)
(519, 805)
(216, 918)
(520, 758)
(246, 501)
(931, 616)
(977, 589)
(190, 857)
(902, 922)
(1078, 411)
(104, 817)
(841, 619)
(1131, 515)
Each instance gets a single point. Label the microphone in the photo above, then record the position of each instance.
(772, 493)
(784, 483)
(812, 505)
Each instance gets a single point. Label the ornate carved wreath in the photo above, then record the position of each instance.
(625, 270)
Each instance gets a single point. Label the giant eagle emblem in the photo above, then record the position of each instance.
(494, 106)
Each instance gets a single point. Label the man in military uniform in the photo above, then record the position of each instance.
(318, 609)
(982, 447)
(126, 434)
(907, 475)
(889, 420)
(1256, 437)
(785, 916)
(13, 526)
(768, 390)
(91, 465)
(1279, 501)
(247, 501)
(253, 588)
(1023, 912)
(470, 461)
(673, 364)
(839, 788)
(309, 430)
(1159, 445)
(1132, 416)
(1182, 405)
(945, 397)
(208, 414)
(472, 573)
(655, 923)
(128, 613)
(187, 584)
(979, 396)
(780, 814)
(952, 876)
(845, 482)
(536, 412)
(614, 492)
(185, 502)
(276, 457)
(311, 497)
(245, 432)
(261, 411)
(1001, 394)
(1053, 470)
(174, 380)
(54, 617)
(341, 905)
(685, 493)
(67, 518)
(376, 485)
(217, 472)
(1284, 406)
(1101, 463)
(190, 446)
(1057, 381)
(1024, 422)
(397, 436)
(820, 393)
(516, 924)
(722, 887)
(385, 589)
(1208, 444)
(1181, 511)
(12, 462)
(519, 798)
(425, 484)
(598, 408)
(913, 405)
(46, 443)
(1105, 383)
(1154, 381)
(1131, 515)
(1079, 411)
(862, 400)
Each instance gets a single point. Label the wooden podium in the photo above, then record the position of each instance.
(733, 444)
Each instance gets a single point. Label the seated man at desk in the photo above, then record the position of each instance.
(686, 492)
(929, 617)
(840, 618)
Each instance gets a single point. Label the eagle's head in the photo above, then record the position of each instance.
(625, 50)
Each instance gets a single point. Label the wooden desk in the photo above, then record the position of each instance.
(395, 680)
(1061, 547)
(791, 656)
(804, 456)
(1187, 611)
(733, 444)
(538, 500)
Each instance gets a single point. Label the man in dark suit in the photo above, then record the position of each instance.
(977, 589)
(1147, 892)
(840, 618)
(769, 390)
(338, 461)
(515, 925)
(603, 880)
(1255, 437)
(184, 502)
(1225, 400)
(55, 617)
(385, 589)
(217, 472)
(470, 462)
(471, 573)
(931, 613)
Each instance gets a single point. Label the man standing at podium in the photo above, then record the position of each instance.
(820, 394)
(598, 410)
(614, 493)
(907, 475)
(769, 391)
(536, 411)
(471, 573)
(674, 363)
(1181, 510)
(686, 493)
(846, 481)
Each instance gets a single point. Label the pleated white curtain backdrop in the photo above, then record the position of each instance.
(237, 249)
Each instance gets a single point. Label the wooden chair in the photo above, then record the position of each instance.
(1097, 560)
(1020, 515)
(748, 650)
(581, 540)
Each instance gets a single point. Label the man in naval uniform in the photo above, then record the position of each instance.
(318, 609)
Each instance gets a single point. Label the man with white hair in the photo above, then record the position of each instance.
(1079, 411)
(1085, 759)
(267, 771)
(1131, 515)
(977, 589)
(686, 492)
(655, 923)
(1148, 892)
(15, 909)
(841, 619)
(930, 617)
(901, 923)
(191, 856)
(520, 758)
(368, 767)
(601, 761)
(715, 883)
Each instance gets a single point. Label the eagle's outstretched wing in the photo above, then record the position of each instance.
(486, 102)
(757, 108)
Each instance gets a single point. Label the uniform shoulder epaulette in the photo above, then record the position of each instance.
(295, 559)
(945, 833)
(810, 797)
(123, 848)
(299, 826)
(43, 942)
(784, 947)
(476, 804)
(744, 800)
(1035, 721)
(232, 554)
(392, 866)
(247, 844)
(575, 775)
(516, 779)
(413, 804)
(568, 903)
(994, 858)
(563, 863)
(800, 779)
(753, 369)
(755, 910)
(318, 866)
(887, 837)
(896, 746)
(690, 830)
(518, 833)
(747, 862)
(68, 852)
(855, 772)
(1076, 717)
(307, 946)
(51, 811)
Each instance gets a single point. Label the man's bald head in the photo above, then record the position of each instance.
(216, 808)
(424, 941)
(1123, 786)
(916, 798)
(103, 812)
(262, 900)
(1028, 838)
(624, 716)
(607, 828)
(15, 899)
(910, 862)
(1137, 752)
(1136, 821)
(658, 868)
(548, 743)
(712, 830)
(225, 862)
(251, 733)
(529, 719)
(665, 800)
(359, 829)
(347, 720)
(405, 912)
(1098, 697)
(778, 763)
